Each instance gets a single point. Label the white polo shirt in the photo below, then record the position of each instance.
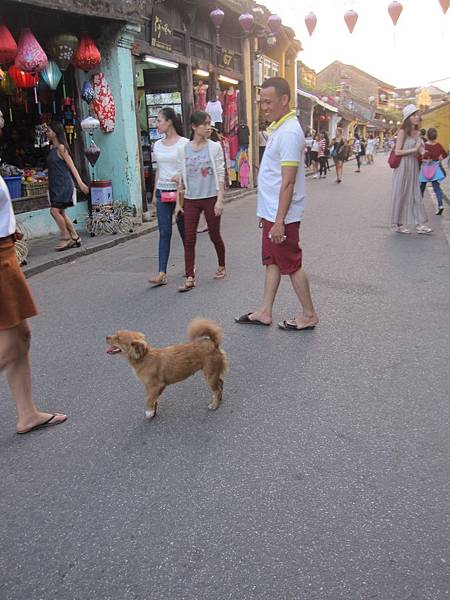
(7, 218)
(285, 147)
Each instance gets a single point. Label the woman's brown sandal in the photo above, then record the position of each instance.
(65, 245)
(220, 273)
(188, 285)
(158, 280)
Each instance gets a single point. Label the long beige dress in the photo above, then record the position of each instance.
(407, 201)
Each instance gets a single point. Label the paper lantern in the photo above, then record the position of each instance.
(87, 92)
(444, 5)
(351, 17)
(22, 79)
(87, 56)
(274, 23)
(89, 124)
(217, 16)
(61, 49)
(92, 153)
(395, 10)
(8, 46)
(310, 22)
(246, 21)
(51, 75)
(30, 56)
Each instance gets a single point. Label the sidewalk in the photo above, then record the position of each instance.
(42, 255)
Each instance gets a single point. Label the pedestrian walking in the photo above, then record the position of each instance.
(200, 165)
(62, 193)
(322, 156)
(432, 170)
(315, 155)
(363, 150)
(357, 152)
(370, 149)
(165, 188)
(338, 154)
(281, 194)
(407, 202)
(16, 306)
(309, 139)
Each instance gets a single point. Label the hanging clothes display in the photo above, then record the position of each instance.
(231, 120)
(200, 91)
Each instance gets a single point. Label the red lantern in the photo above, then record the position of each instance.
(30, 56)
(22, 79)
(395, 10)
(444, 5)
(351, 17)
(274, 24)
(246, 21)
(87, 55)
(311, 22)
(8, 46)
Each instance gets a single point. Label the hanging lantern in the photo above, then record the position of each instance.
(8, 46)
(217, 16)
(87, 56)
(444, 5)
(92, 153)
(87, 92)
(274, 24)
(30, 56)
(61, 49)
(51, 75)
(395, 10)
(89, 125)
(23, 79)
(351, 17)
(310, 22)
(246, 21)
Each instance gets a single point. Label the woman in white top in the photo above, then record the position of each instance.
(215, 111)
(16, 306)
(201, 170)
(370, 149)
(165, 191)
(315, 155)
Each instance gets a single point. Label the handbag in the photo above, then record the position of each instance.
(394, 160)
(429, 170)
(168, 196)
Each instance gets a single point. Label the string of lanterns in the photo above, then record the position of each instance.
(247, 23)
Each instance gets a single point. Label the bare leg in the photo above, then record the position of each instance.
(308, 316)
(271, 284)
(69, 226)
(14, 361)
(152, 401)
(58, 215)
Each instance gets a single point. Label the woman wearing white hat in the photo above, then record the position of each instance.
(407, 202)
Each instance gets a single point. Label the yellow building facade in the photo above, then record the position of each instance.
(439, 118)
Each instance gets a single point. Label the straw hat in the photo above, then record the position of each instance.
(409, 110)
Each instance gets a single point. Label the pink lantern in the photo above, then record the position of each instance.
(274, 23)
(395, 10)
(311, 22)
(30, 56)
(444, 5)
(8, 46)
(217, 16)
(246, 21)
(351, 17)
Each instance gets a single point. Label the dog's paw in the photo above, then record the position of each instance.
(149, 414)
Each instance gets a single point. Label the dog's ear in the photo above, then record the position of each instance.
(138, 350)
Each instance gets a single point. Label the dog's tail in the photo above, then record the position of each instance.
(199, 328)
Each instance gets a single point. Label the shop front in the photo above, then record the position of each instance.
(70, 84)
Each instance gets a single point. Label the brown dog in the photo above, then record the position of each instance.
(160, 367)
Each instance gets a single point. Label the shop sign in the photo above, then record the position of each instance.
(161, 32)
(226, 59)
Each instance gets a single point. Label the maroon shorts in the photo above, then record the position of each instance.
(288, 255)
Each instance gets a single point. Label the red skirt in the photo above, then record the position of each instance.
(16, 301)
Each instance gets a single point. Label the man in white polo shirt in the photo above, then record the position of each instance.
(281, 194)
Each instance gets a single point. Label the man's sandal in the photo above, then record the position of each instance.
(220, 273)
(188, 285)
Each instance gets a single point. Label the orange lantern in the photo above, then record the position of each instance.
(23, 79)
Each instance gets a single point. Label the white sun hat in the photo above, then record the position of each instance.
(409, 110)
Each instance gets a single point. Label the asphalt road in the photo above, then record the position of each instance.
(324, 474)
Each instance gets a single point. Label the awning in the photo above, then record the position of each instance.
(317, 100)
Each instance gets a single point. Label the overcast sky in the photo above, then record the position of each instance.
(420, 53)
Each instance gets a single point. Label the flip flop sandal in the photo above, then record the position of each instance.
(245, 320)
(220, 274)
(48, 423)
(286, 326)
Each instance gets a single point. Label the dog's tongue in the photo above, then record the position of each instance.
(113, 350)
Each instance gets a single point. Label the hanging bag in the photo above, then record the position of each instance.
(429, 170)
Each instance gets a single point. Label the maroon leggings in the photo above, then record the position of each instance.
(192, 212)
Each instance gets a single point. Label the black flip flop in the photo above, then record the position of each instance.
(245, 320)
(289, 327)
(44, 425)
